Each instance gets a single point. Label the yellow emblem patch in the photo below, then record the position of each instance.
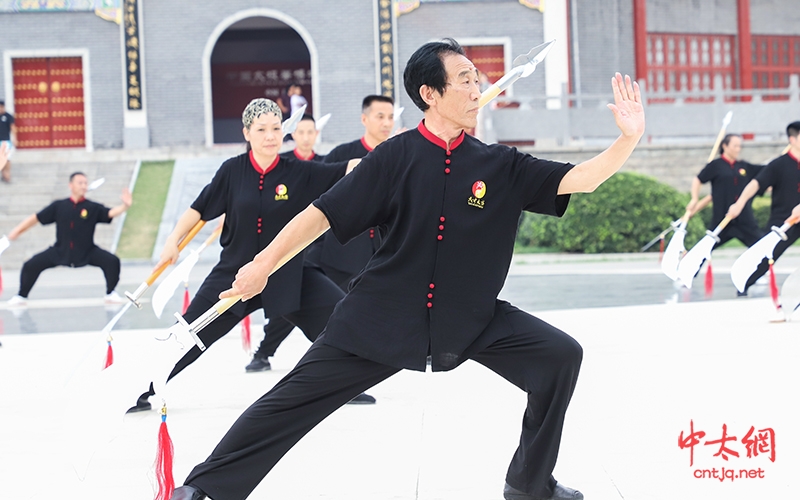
(478, 192)
(281, 192)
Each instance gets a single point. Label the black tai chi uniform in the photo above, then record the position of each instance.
(783, 174)
(74, 247)
(341, 263)
(257, 205)
(431, 289)
(277, 329)
(728, 180)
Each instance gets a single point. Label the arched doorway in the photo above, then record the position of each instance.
(255, 56)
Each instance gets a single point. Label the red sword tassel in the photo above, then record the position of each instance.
(709, 280)
(164, 458)
(186, 299)
(246, 344)
(773, 285)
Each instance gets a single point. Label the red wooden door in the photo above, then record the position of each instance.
(48, 102)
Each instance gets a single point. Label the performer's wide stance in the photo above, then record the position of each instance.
(449, 205)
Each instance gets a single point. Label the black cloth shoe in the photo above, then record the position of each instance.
(258, 365)
(362, 399)
(560, 492)
(187, 493)
(142, 404)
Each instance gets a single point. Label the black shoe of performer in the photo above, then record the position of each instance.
(142, 404)
(560, 492)
(258, 365)
(362, 399)
(187, 493)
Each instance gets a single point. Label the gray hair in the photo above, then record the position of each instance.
(258, 107)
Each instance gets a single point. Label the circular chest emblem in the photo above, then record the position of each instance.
(479, 189)
(281, 190)
(84, 213)
(742, 172)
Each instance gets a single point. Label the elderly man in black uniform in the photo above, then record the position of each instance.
(449, 205)
(783, 175)
(75, 218)
(728, 177)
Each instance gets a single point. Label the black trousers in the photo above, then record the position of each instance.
(278, 328)
(318, 296)
(793, 233)
(98, 257)
(747, 234)
(536, 357)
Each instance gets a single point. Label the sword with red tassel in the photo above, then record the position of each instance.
(747, 263)
(134, 298)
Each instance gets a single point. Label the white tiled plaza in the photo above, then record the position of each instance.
(650, 373)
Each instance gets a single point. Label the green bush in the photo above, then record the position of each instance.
(623, 214)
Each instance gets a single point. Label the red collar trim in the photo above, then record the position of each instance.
(436, 140)
(792, 156)
(258, 168)
(366, 146)
(75, 202)
(727, 160)
(300, 157)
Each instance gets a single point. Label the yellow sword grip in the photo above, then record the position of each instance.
(488, 94)
(724, 222)
(223, 305)
(185, 241)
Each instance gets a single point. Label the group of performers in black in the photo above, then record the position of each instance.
(735, 182)
(422, 228)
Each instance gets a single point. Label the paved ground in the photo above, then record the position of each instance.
(650, 373)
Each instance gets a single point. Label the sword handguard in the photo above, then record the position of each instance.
(189, 328)
(713, 234)
(781, 231)
(136, 295)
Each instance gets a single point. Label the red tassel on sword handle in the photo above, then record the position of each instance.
(109, 354)
(164, 458)
(186, 300)
(661, 249)
(246, 344)
(709, 280)
(773, 285)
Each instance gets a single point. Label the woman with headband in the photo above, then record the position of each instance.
(259, 193)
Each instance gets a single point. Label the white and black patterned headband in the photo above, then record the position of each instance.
(258, 107)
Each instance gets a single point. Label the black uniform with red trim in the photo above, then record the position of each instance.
(728, 179)
(257, 204)
(75, 223)
(277, 329)
(450, 215)
(783, 175)
(339, 262)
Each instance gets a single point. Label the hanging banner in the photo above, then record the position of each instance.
(133, 74)
(386, 47)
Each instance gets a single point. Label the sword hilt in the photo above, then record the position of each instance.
(781, 231)
(136, 295)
